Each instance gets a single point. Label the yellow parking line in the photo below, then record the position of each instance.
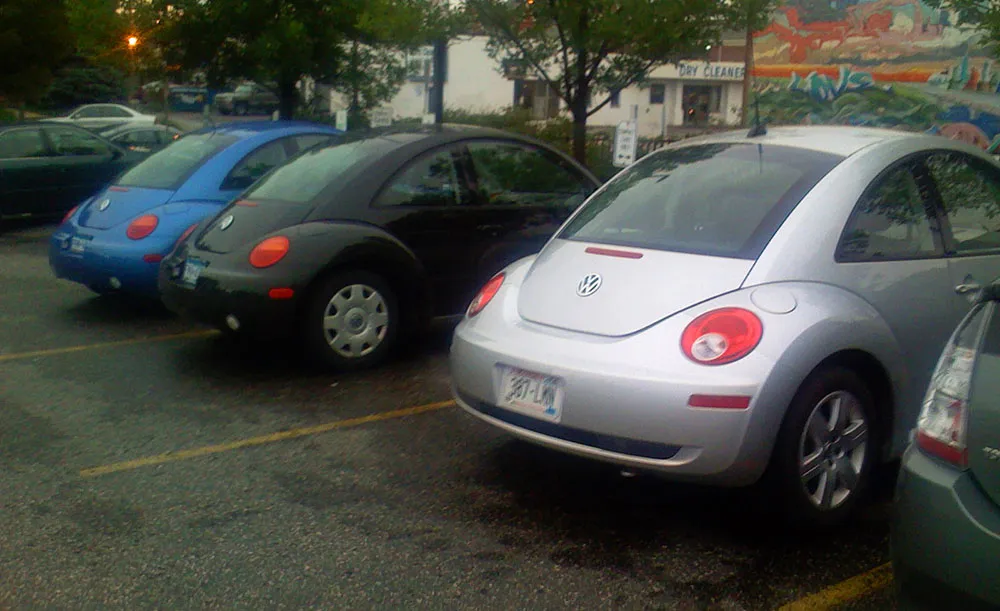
(844, 592)
(262, 440)
(17, 356)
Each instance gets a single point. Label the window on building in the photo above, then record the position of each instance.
(700, 101)
(420, 64)
(539, 97)
(616, 99)
(657, 93)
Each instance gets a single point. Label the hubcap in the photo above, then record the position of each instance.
(355, 321)
(832, 450)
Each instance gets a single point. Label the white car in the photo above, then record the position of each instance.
(98, 116)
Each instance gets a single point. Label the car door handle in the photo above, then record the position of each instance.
(968, 287)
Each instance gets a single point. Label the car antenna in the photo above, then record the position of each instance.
(758, 128)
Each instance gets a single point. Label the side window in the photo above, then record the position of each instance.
(890, 221)
(512, 174)
(970, 192)
(432, 180)
(310, 140)
(255, 165)
(22, 144)
(90, 112)
(75, 142)
(118, 113)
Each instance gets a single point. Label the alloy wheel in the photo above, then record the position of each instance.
(833, 448)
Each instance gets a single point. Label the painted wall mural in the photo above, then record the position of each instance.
(884, 63)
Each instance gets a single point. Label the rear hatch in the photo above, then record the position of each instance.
(984, 413)
(117, 205)
(681, 226)
(250, 220)
(633, 293)
(285, 196)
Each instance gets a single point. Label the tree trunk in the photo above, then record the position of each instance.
(288, 96)
(747, 75)
(580, 132)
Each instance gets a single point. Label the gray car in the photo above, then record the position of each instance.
(946, 525)
(741, 306)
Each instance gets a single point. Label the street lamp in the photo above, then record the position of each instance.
(132, 41)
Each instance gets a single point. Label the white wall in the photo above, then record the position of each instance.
(473, 84)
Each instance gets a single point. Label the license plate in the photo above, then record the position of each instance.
(77, 245)
(191, 273)
(530, 393)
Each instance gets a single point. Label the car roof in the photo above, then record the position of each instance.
(430, 136)
(837, 140)
(245, 128)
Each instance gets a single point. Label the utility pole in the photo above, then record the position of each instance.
(439, 76)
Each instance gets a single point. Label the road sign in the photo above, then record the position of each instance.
(429, 119)
(382, 117)
(626, 144)
(342, 120)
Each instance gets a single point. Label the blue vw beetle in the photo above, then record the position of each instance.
(115, 240)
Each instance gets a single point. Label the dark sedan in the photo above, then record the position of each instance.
(355, 245)
(46, 169)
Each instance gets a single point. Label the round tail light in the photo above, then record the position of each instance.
(485, 295)
(70, 214)
(142, 227)
(722, 336)
(269, 252)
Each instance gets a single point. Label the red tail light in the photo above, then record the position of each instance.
(142, 227)
(186, 233)
(70, 214)
(485, 295)
(269, 252)
(942, 424)
(722, 336)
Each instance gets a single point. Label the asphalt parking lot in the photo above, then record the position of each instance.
(149, 463)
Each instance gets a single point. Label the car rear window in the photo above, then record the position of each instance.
(169, 168)
(722, 199)
(306, 176)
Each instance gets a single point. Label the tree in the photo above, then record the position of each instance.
(371, 76)
(281, 41)
(978, 13)
(34, 38)
(750, 16)
(586, 48)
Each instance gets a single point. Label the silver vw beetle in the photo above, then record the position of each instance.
(739, 307)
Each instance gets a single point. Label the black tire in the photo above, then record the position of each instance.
(794, 444)
(365, 351)
(240, 109)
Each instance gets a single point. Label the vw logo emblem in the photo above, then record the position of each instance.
(226, 222)
(589, 285)
(103, 204)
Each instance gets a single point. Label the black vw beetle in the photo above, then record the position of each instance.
(356, 245)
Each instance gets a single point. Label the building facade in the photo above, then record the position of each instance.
(697, 93)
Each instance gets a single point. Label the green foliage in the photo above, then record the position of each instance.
(74, 85)
(980, 14)
(281, 41)
(34, 38)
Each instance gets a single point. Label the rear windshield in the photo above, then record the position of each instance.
(306, 176)
(169, 168)
(723, 199)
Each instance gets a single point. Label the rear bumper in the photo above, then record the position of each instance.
(220, 294)
(107, 264)
(945, 538)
